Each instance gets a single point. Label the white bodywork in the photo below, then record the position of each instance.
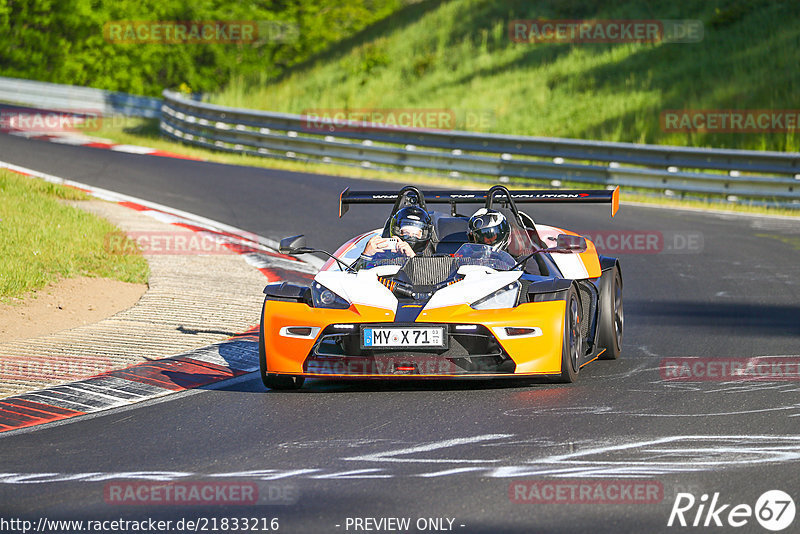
(570, 265)
(364, 288)
(478, 282)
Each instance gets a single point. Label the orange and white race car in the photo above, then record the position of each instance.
(544, 307)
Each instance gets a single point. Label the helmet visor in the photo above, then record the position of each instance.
(487, 236)
(412, 230)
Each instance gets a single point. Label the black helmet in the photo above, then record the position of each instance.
(413, 225)
(489, 227)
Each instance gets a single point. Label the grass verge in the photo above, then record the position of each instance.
(42, 239)
(145, 132)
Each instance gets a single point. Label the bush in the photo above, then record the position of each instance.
(62, 41)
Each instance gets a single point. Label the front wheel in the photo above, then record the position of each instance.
(271, 380)
(572, 344)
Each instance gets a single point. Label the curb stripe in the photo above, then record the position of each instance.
(20, 413)
(66, 138)
(132, 205)
(176, 373)
(37, 407)
(194, 369)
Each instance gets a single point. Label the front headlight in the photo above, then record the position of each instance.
(325, 298)
(505, 297)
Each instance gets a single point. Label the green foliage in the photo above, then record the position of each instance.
(458, 55)
(437, 54)
(63, 41)
(732, 12)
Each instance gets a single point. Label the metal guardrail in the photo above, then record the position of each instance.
(737, 175)
(771, 178)
(74, 98)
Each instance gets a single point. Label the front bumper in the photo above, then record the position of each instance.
(471, 349)
(334, 349)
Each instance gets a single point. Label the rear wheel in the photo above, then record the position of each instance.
(611, 316)
(572, 345)
(271, 380)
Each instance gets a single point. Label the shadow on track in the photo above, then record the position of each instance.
(740, 318)
(364, 385)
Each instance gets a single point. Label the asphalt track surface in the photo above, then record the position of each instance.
(450, 449)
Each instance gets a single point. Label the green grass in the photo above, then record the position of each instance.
(145, 132)
(42, 239)
(457, 55)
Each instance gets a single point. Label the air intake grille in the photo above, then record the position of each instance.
(428, 271)
(587, 303)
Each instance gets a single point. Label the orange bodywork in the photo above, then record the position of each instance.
(590, 260)
(532, 355)
(286, 354)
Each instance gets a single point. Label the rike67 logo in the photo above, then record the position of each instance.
(774, 510)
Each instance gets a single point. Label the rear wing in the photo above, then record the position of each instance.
(454, 197)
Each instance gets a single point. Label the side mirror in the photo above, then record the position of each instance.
(570, 243)
(295, 244)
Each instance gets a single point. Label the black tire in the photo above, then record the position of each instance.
(271, 380)
(572, 344)
(612, 318)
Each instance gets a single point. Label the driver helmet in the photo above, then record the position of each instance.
(413, 225)
(489, 227)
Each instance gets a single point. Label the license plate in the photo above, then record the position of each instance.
(388, 337)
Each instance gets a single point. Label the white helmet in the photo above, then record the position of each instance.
(489, 227)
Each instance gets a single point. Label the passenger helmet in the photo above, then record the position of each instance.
(489, 227)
